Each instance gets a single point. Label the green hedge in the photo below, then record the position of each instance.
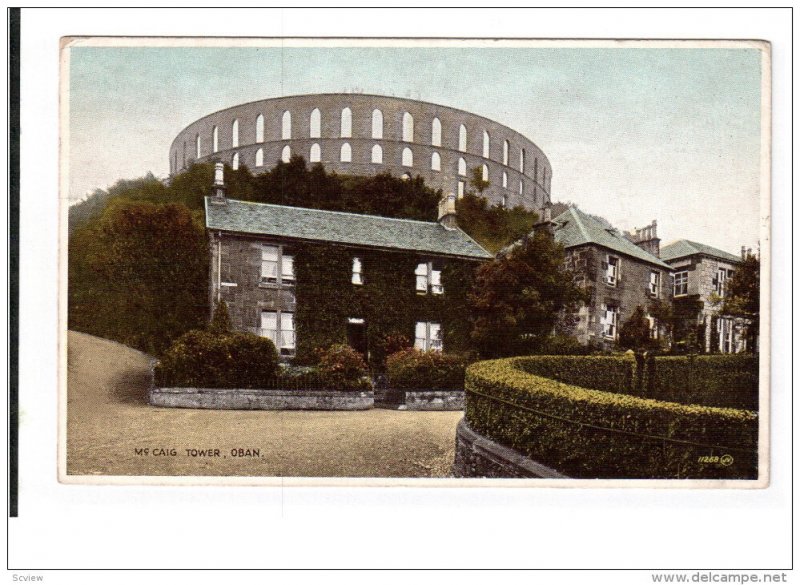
(712, 380)
(410, 369)
(609, 373)
(567, 428)
(201, 359)
(728, 381)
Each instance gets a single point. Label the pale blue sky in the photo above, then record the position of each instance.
(633, 134)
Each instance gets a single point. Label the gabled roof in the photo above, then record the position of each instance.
(338, 227)
(683, 248)
(575, 228)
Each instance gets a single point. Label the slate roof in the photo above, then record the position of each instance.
(338, 227)
(683, 248)
(575, 228)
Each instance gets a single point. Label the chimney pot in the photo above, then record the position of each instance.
(447, 211)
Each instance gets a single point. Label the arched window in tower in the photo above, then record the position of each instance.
(184, 154)
(408, 157)
(377, 124)
(462, 167)
(505, 180)
(197, 147)
(377, 154)
(215, 139)
(462, 138)
(286, 154)
(235, 161)
(346, 154)
(522, 160)
(260, 157)
(485, 144)
(315, 154)
(347, 123)
(521, 188)
(505, 152)
(174, 166)
(315, 124)
(286, 125)
(235, 133)
(260, 128)
(408, 127)
(436, 162)
(484, 173)
(436, 132)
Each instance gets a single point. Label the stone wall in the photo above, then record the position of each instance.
(246, 399)
(535, 176)
(434, 399)
(477, 456)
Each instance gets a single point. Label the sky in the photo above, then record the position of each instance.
(632, 134)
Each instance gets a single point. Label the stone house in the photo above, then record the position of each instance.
(619, 271)
(308, 278)
(701, 272)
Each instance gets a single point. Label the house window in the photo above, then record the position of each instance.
(611, 266)
(315, 124)
(609, 319)
(429, 277)
(260, 128)
(719, 282)
(377, 154)
(655, 283)
(428, 336)
(377, 124)
(279, 327)
(358, 274)
(347, 123)
(436, 132)
(680, 283)
(275, 264)
(725, 334)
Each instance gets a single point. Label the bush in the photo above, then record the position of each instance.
(343, 368)
(712, 380)
(561, 345)
(608, 373)
(587, 433)
(410, 369)
(201, 359)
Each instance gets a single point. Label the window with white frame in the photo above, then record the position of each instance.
(719, 282)
(429, 278)
(278, 326)
(358, 271)
(680, 283)
(276, 266)
(611, 266)
(652, 324)
(608, 319)
(655, 283)
(428, 336)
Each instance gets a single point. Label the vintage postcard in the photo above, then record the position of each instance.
(415, 262)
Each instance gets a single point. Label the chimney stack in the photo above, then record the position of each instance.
(219, 184)
(546, 223)
(447, 212)
(647, 238)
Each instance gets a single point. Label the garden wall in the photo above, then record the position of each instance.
(255, 399)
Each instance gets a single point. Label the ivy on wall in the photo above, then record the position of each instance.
(387, 301)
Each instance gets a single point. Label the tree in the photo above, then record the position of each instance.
(635, 332)
(680, 319)
(221, 320)
(517, 299)
(493, 226)
(477, 181)
(743, 296)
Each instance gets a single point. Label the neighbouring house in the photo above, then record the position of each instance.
(619, 271)
(701, 273)
(308, 278)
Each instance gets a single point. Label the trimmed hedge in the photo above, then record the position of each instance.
(609, 373)
(712, 380)
(410, 369)
(587, 433)
(728, 381)
(202, 359)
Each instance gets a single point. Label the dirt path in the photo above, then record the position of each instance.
(108, 419)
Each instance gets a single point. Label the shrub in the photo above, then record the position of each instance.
(343, 368)
(201, 359)
(426, 370)
(561, 345)
(588, 433)
(221, 320)
(608, 373)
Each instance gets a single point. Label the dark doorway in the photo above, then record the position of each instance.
(357, 336)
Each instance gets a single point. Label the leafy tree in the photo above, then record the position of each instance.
(517, 298)
(476, 180)
(221, 320)
(138, 274)
(493, 227)
(743, 296)
(680, 319)
(635, 332)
